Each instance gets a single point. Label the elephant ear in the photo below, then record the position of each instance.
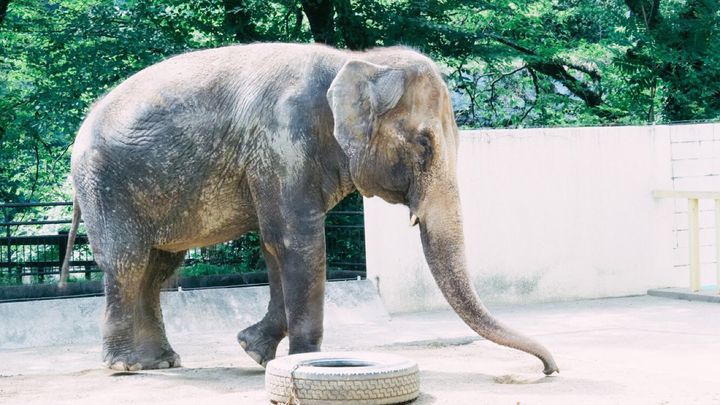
(358, 95)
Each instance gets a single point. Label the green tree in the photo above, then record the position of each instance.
(507, 62)
(59, 56)
(677, 46)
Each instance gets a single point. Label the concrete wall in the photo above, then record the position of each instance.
(549, 214)
(695, 153)
(78, 320)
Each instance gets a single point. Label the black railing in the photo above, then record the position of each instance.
(33, 256)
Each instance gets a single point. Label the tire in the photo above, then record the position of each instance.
(342, 378)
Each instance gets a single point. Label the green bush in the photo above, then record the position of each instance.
(205, 269)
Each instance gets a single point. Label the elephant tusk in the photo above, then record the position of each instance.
(414, 220)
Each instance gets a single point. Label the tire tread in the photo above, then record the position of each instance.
(351, 385)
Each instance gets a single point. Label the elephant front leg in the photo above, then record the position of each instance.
(302, 263)
(294, 247)
(134, 334)
(260, 341)
(304, 291)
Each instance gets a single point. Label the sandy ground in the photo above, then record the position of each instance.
(639, 350)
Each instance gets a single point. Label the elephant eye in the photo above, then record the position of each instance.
(424, 137)
(424, 140)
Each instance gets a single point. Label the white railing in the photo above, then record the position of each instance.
(694, 198)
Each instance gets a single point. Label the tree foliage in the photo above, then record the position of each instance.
(508, 63)
(678, 47)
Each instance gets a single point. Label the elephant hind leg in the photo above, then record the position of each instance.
(260, 341)
(134, 334)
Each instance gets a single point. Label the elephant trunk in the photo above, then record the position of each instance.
(444, 247)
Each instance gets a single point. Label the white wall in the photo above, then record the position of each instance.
(549, 214)
(695, 153)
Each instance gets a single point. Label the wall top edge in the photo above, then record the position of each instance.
(520, 131)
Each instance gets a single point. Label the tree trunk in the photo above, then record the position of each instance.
(351, 29)
(647, 10)
(688, 78)
(3, 9)
(320, 14)
(238, 21)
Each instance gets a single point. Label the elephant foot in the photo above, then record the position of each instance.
(259, 345)
(123, 360)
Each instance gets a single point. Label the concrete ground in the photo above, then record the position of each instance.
(637, 350)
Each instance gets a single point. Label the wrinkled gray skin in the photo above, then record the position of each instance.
(206, 146)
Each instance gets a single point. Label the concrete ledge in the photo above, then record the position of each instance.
(685, 294)
(78, 320)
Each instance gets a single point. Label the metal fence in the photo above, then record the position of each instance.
(29, 254)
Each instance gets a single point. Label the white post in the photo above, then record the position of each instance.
(717, 243)
(694, 233)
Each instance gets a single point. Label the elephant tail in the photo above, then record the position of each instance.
(65, 269)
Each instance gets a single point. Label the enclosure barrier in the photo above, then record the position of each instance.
(30, 254)
(694, 198)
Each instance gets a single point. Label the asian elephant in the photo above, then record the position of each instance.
(206, 146)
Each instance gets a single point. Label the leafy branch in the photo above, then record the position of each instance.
(501, 77)
(3, 9)
(558, 70)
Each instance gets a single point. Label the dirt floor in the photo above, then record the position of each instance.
(640, 350)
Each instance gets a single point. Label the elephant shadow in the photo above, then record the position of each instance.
(219, 379)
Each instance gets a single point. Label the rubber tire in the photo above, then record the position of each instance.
(386, 379)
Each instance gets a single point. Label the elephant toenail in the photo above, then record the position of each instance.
(257, 357)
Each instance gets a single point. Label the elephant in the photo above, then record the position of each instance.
(205, 146)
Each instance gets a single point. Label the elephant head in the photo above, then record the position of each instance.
(394, 121)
